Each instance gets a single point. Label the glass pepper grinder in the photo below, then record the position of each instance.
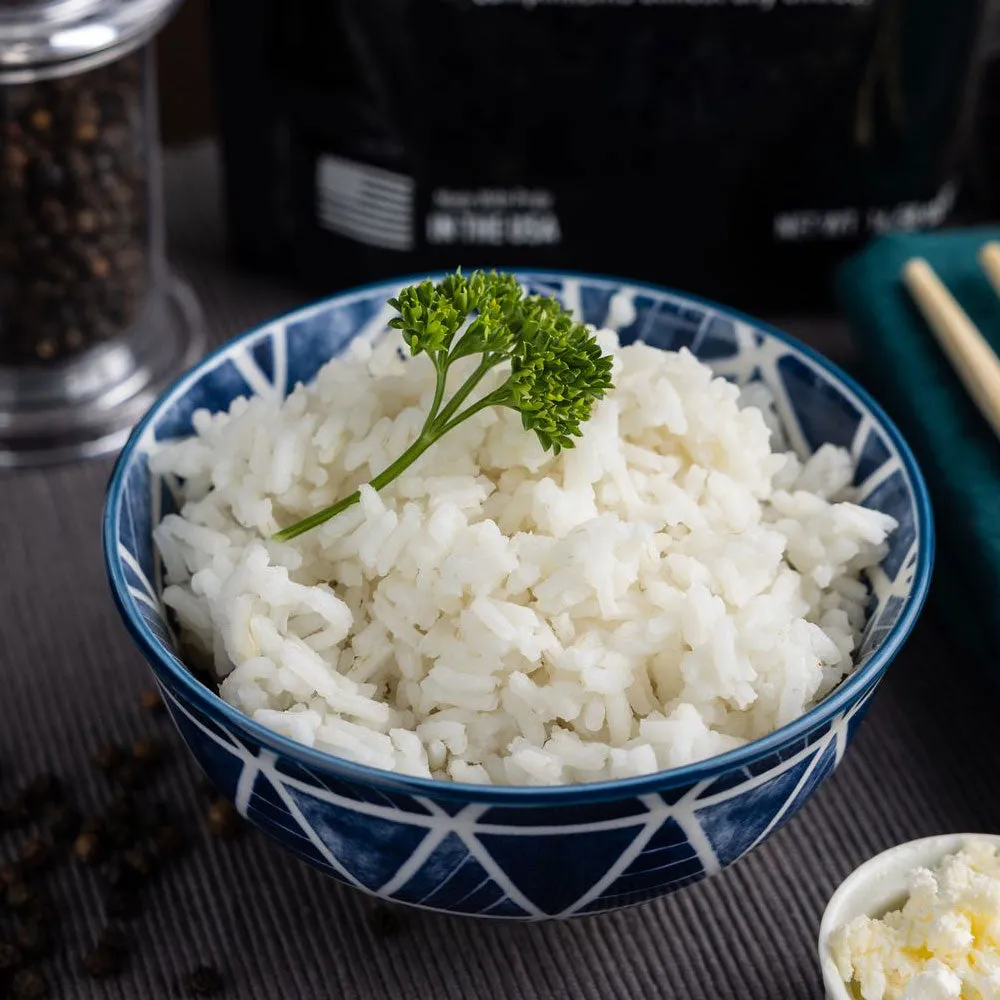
(92, 322)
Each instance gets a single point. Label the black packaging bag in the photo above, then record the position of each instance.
(734, 148)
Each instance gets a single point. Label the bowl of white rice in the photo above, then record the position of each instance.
(516, 683)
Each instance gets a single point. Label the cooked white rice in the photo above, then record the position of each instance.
(662, 593)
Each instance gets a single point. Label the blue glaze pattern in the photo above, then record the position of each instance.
(524, 853)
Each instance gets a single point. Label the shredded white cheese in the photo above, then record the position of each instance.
(944, 944)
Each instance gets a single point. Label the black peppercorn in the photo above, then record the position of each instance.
(121, 831)
(11, 958)
(139, 862)
(14, 813)
(10, 874)
(20, 895)
(158, 814)
(150, 699)
(107, 957)
(73, 177)
(42, 791)
(119, 876)
(148, 751)
(223, 820)
(89, 848)
(35, 855)
(101, 963)
(130, 775)
(34, 938)
(86, 221)
(108, 757)
(123, 818)
(169, 841)
(40, 910)
(28, 984)
(53, 216)
(63, 821)
(204, 982)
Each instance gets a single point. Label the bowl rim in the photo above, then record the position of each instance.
(210, 703)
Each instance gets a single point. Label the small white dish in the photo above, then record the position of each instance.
(878, 887)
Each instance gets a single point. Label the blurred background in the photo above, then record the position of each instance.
(737, 149)
(754, 149)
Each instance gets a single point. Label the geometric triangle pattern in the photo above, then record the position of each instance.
(554, 872)
(486, 860)
(533, 854)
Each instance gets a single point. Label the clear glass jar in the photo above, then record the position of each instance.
(91, 321)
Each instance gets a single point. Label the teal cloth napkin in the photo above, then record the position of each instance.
(906, 371)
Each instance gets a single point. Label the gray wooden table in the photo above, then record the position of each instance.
(924, 763)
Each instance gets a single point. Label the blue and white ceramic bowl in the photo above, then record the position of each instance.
(523, 853)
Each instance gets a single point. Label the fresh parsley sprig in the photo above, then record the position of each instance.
(556, 369)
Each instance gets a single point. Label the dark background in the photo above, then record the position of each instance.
(187, 100)
(189, 111)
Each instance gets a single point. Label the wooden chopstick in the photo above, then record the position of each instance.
(965, 347)
(989, 260)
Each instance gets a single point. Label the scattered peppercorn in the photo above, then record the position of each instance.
(34, 938)
(138, 861)
(122, 821)
(148, 751)
(40, 910)
(119, 876)
(109, 757)
(43, 790)
(151, 701)
(130, 775)
(11, 958)
(169, 841)
(204, 982)
(137, 834)
(92, 824)
(119, 834)
(88, 848)
(20, 895)
(63, 821)
(14, 812)
(28, 984)
(158, 814)
(10, 874)
(108, 956)
(36, 854)
(103, 961)
(124, 803)
(223, 820)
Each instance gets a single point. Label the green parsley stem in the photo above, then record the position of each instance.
(557, 370)
(488, 362)
(386, 476)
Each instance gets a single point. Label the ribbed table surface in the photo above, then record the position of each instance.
(925, 762)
